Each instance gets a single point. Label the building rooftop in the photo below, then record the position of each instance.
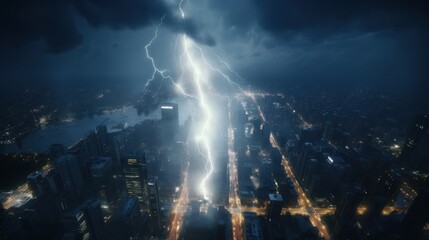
(276, 197)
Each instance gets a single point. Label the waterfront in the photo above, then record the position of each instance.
(69, 132)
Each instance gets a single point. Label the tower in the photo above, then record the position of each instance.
(170, 116)
(135, 174)
(126, 222)
(274, 208)
(102, 176)
(56, 150)
(154, 202)
(68, 167)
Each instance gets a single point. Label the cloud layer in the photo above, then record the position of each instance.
(53, 22)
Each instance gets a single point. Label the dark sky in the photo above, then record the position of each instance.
(271, 43)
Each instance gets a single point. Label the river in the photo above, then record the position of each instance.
(70, 132)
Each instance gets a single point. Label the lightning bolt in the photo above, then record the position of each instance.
(163, 73)
(193, 63)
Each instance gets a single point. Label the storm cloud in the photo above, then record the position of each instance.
(54, 23)
(275, 43)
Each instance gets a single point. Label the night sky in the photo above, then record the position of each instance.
(271, 43)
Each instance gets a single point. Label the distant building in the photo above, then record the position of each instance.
(135, 174)
(154, 202)
(170, 116)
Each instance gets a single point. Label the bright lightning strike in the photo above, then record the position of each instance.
(193, 64)
(156, 70)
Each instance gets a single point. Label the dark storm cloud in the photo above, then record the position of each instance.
(314, 20)
(23, 21)
(54, 22)
(137, 13)
(318, 19)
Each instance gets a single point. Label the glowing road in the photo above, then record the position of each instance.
(234, 200)
(303, 201)
(180, 208)
(18, 197)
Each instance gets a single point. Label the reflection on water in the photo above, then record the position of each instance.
(70, 132)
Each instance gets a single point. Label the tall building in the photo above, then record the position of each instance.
(335, 175)
(417, 216)
(102, 176)
(154, 202)
(35, 181)
(126, 223)
(309, 134)
(94, 219)
(170, 115)
(346, 211)
(92, 144)
(68, 167)
(274, 207)
(252, 227)
(135, 174)
(75, 225)
(306, 154)
(3, 214)
(53, 179)
(415, 152)
(56, 151)
(104, 141)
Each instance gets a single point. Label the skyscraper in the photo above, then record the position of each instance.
(68, 167)
(35, 181)
(102, 176)
(104, 140)
(346, 211)
(135, 174)
(94, 219)
(75, 225)
(56, 150)
(170, 116)
(154, 202)
(252, 226)
(274, 208)
(126, 222)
